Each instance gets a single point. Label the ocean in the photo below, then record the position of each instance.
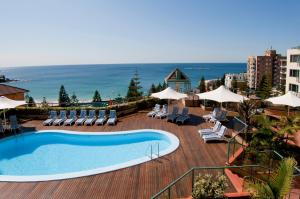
(109, 79)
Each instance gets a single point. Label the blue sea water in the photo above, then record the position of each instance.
(109, 79)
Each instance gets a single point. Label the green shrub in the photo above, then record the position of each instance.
(209, 186)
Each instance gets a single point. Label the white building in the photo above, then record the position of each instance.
(292, 70)
(251, 72)
(240, 77)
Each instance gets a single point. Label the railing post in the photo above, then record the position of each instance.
(151, 152)
(193, 175)
(169, 193)
(228, 151)
(158, 149)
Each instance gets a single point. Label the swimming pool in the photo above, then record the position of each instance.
(57, 154)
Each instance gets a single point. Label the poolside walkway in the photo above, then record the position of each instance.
(137, 182)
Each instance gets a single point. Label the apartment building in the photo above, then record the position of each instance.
(267, 64)
(282, 64)
(240, 78)
(292, 70)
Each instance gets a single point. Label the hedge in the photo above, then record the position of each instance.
(42, 113)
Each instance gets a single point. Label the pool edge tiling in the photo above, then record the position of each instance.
(174, 144)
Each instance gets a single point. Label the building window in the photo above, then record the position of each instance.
(294, 73)
(293, 87)
(295, 58)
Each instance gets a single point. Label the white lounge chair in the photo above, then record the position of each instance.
(82, 118)
(221, 117)
(183, 117)
(50, 120)
(14, 126)
(91, 118)
(112, 117)
(2, 130)
(215, 113)
(61, 119)
(154, 111)
(163, 113)
(219, 135)
(72, 118)
(208, 131)
(172, 117)
(102, 118)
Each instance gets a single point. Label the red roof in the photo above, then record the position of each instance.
(6, 90)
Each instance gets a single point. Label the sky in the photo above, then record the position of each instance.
(53, 32)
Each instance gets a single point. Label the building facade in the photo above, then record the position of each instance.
(240, 78)
(282, 63)
(292, 70)
(267, 64)
(178, 81)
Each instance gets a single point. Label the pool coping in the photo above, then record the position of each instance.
(174, 144)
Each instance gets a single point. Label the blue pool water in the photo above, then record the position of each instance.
(57, 155)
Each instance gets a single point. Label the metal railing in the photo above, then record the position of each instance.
(236, 141)
(183, 186)
(150, 150)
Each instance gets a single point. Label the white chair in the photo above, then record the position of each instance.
(82, 118)
(219, 135)
(221, 117)
(163, 113)
(154, 111)
(215, 113)
(50, 120)
(72, 118)
(61, 119)
(112, 117)
(208, 131)
(91, 118)
(102, 118)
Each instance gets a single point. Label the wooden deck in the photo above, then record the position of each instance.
(140, 181)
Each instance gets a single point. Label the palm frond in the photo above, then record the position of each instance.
(260, 190)
(282, 179)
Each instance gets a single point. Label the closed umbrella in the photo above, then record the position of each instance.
(169, 94)
(221, 95)
(6, 103)
(288, 99)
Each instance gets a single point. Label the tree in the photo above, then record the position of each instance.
(44, 103)
(223, 80)
(288, 126)
(134, 87)
(264, 88)
(218, 83)
(202, 86)
(30, 101)
(159, 87)
(97, 97)
(279, 184)
(119, 99)
(63, 97)
(164, 86)
(74, 101)
(152, 89)
(234, 85)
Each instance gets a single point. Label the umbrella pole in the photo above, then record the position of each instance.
(4, 117)
(288, 110)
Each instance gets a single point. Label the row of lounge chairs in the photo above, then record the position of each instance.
(161, 113)
(217, 132)
(83, 118)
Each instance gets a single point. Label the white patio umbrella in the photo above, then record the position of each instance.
(221, 95)
(6, 103)
(288, 99)
(169, 94)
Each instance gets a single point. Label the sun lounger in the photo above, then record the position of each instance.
(91, 118)
(14, 123)
(184, 116)
(50, 120)
(72, 118)
(215, 128)
(163, 113)
(221, 117)
(219, 135)
(155, 110)
(112, 117)
(102, 118)
(2, 130)
(215, 113)
(172, 117)
(82, 118)
(61, 119)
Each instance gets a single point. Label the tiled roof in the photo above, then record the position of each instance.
(6, 90)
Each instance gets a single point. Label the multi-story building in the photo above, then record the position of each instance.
(292, 70)
(240, 78)
(268, 65)
(282, 64)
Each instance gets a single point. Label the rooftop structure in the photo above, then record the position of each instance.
(178, 81)
(292, 70)
(12, 92)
